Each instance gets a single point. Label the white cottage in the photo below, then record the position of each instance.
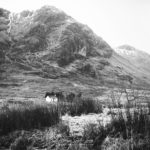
(51, 97)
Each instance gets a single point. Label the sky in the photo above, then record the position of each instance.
(118, 22)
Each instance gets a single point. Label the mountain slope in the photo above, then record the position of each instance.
(137, 57)
(50, 50)
(48, 37)
(135, 61)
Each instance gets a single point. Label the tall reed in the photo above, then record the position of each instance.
(18, 117)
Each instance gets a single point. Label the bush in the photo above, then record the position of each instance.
(81, 106)
(127, 130)
(96, 133)
(115, 143)
(131, 124)
(63, 129)
(21, 143)
(18, 117)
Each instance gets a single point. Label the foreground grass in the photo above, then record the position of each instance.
(32, 116)
(129, 130)
(18, 117)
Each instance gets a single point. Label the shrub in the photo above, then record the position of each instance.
(96, 133)
(133, 126)
(127, 130)
(131, 123)
(115, 143)
(63, 129)
(21, 143)
(125, 144)
(81, 106)
(15, 117)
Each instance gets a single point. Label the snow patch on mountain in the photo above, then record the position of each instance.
(126, 52)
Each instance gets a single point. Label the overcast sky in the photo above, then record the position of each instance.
(116, 21)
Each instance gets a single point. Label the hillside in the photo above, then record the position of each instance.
(137, 57)
(137, 62)
(47, 49)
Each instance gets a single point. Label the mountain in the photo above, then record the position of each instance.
(47, 49)
(137, 57)
(137, 61)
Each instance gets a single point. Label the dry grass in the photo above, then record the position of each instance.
(130, 127)
(81, 106)
(36, 115)
(18, 117)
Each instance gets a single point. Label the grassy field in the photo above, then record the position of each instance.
(129, 130)
(40, 125)
(37, 115)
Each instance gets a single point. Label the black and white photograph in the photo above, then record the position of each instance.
(74, 74)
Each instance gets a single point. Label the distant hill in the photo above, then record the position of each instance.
(136, 61)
